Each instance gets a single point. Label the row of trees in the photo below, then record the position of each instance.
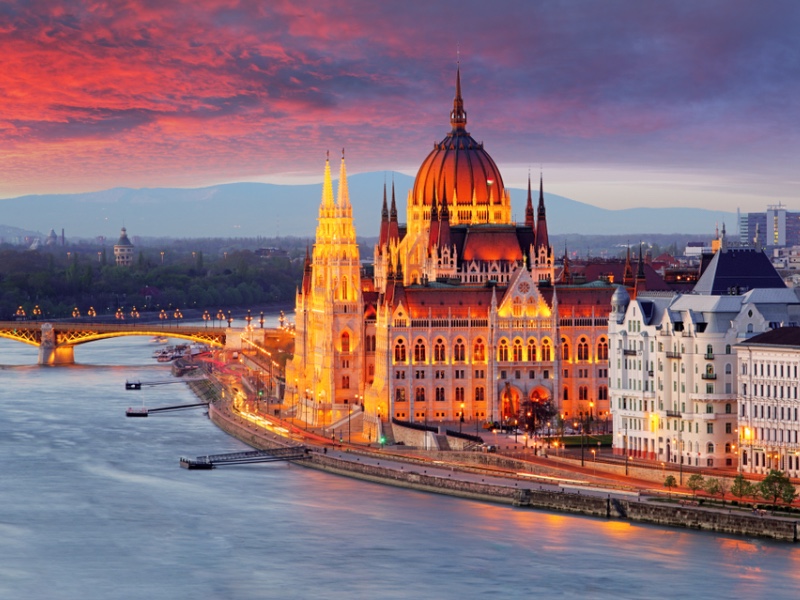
(775, 487)
(53, 281)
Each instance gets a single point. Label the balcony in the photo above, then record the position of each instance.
(671, 354)
(709, 356)
(674, 413)
(627, 352)
(710, 376)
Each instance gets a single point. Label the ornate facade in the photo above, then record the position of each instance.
(466, 315)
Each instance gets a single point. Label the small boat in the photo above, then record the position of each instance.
(136, 412)
(159, 339)
(133, 385)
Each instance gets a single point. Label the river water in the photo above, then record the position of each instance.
(95, 506)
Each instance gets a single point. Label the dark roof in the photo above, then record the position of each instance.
(782, 336)
(736, 271)
(596, 271)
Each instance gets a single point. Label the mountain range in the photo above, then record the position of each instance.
(268, 210)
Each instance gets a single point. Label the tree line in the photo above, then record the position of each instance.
(54, 281)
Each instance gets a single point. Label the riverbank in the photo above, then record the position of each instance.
(508, 488)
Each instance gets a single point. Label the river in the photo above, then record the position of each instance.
(95, 506)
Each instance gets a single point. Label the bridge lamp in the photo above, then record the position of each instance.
(20, 313)
(206, 318)
(134, 315)
(76, 313)
(120, 315)
(248, 318)
(230, 319)
(162, 316)
(178, 315)
(37, 312)
(220, 317)
(261, 319)
(91, 312)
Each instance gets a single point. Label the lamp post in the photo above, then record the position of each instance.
(20, 314)
(349, 415)
(119, 314)
(134, 315)
(178, 316)
(230, 319)
(76, 313)
(206, 318)
(261, 319)
(37, 312)
(91, 312)
(248, 317)
(162, 316)
(220, 317)
(461, 419)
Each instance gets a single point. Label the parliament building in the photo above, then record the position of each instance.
(465, 316)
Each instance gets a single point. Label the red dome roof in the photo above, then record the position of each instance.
(458, 166)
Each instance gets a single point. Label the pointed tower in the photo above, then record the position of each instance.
(383, 236)
(543, 267)
(641, 281)
(329, 313)
(542, 240)
(529, 206)
(627, 276)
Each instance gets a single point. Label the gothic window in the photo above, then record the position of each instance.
(344, 288)
(583, 349)
(502, 351)
(439, 354)
(602, 393)
(602, 349)
(532, 350)
(419, 395)
(479, 351)
(583, 393)
(459, 394)
(459, 351)
(710, 448)
(480, 394)
(546, 354)
(440, 394)
(419, 351)
(346, 382)
(345, 342)
(564, 349)
(517, 350)
(566, 393)
(400, 394)
(400, 351)
(516, 308)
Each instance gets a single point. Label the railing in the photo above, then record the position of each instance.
(709, 375)
(673, 354)
(674, 413)
(627, 352)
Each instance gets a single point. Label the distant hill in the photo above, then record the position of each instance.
(260, 209)
(15, 235)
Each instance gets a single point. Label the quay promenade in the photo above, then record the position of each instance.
(532, 482)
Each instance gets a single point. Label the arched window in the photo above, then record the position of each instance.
(516, 307)
(564, 349)
(709, 351)
(728, 349)
(346, 382)
(439, 354)
(345, 342)
(546, 353)
(710, 448)
(440, 394)
(517, 350)
(419, 351)
(566, 393)
(400, 394)
(602, 349)
(583, 349)
(502, 351)
(344, 288)
(459, 351)
(532, 350)
(419, 394)
(710, 370)
(583, 393)
(728, 368)
(602, 393)
(400, 351)
(479, 351)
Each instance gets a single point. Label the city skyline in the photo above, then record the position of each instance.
(619, 104)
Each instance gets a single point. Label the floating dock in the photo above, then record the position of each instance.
(143, 412)
(246, 458)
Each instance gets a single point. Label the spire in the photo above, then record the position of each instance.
(343, 201)
(393, 231)
(529, 206)
(542, 240)
(307, 274)
(383, 236)
(444, 226)
(327, 185)
(458, 118)
(641, 282)
(565, 274)
(640, 270)
(627, 276)
(433, 236)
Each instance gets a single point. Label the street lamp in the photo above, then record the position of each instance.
(261, 319)
(37, 312)
(91, 312)
(134, 315)
(220, 317)
(349, 414)
(206, 318)
(119, 315)
(248, 318)
(76, 313)
(20, 313)
(230, 319)
(178, 315)
(461, 420)
(162, 316)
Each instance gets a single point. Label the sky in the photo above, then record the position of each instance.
(618, 103)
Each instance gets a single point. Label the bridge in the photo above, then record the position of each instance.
(56, 340)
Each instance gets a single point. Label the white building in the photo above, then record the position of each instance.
(672, 385)
(768, 411)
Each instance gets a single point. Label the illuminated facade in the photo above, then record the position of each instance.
(465, 313)
(123, 250)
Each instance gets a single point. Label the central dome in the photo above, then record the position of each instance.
(458, 169)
